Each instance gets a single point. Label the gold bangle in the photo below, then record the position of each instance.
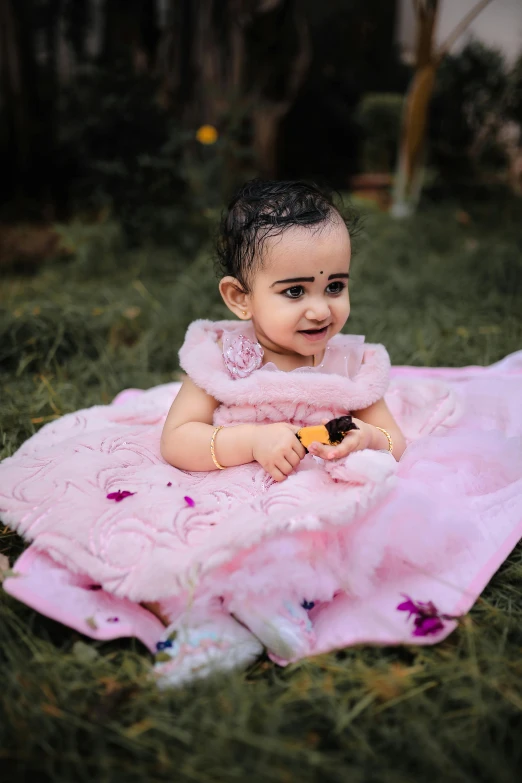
(390, 442)
(212, 451)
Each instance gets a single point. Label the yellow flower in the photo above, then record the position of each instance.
(207, 134)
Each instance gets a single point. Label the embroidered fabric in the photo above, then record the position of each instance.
(351, 536)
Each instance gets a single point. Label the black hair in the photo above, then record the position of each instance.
(265, 208)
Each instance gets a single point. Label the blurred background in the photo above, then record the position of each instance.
(152, 111)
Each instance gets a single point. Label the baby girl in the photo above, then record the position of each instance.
(237, 536)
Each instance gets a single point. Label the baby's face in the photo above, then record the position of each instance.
(299, 298)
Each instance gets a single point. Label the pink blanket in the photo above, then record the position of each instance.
(352, 537)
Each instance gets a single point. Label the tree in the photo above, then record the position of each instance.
(515, 92)
(17, 69)
(408, 181)
(130, 28)
(30, 44)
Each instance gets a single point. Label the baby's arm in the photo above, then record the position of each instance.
(185, 440)
(367, 436)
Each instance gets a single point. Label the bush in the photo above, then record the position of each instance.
(468, 110)
(129, 156)
(379, 116)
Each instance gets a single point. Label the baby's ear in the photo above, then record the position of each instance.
(235, 297)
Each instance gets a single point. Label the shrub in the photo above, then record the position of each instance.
(468, 109)
(379, 116)
(129, 156)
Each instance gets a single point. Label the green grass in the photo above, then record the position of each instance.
(436, 291)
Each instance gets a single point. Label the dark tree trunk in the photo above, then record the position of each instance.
(48, 98)
(279, 56)
(78, 18)
(175, 56)
(19, 95)
(130, 30)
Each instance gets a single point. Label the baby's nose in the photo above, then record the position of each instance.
(318, 310)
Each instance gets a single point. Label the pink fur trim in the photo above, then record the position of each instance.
(202, 359)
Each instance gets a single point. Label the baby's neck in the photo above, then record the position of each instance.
(288, 362)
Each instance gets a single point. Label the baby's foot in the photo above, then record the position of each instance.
(284, 627)
(215, 644)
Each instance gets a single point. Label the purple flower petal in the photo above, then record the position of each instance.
(409, 606)
(119, 495)
(189, 501)
(427, 625)
(428, 620)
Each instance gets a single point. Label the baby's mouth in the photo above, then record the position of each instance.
(322, 330)
(314, 334)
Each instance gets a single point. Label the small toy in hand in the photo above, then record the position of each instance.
(330, 433)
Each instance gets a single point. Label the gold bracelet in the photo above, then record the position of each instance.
(212, 451)
(390, 442)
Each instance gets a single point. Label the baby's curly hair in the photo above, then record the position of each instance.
(266, 208)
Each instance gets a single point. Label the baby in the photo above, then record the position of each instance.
(285, 250)
(236, 536)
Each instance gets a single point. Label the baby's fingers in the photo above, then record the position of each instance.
(348, 445)
(320, 450)
(277, 474)
(351, 442)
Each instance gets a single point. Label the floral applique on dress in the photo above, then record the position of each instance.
(241, 355)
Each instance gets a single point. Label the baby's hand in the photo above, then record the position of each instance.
(277, 449)
(354, 440)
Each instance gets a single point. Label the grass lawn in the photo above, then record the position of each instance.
(444, 289)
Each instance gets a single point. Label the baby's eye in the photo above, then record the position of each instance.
(336, 287)
(294, 293)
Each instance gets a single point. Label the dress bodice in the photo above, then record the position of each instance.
(352, 375)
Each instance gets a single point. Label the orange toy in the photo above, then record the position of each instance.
(330, 433)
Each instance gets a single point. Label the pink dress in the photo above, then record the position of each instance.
(333, 549)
